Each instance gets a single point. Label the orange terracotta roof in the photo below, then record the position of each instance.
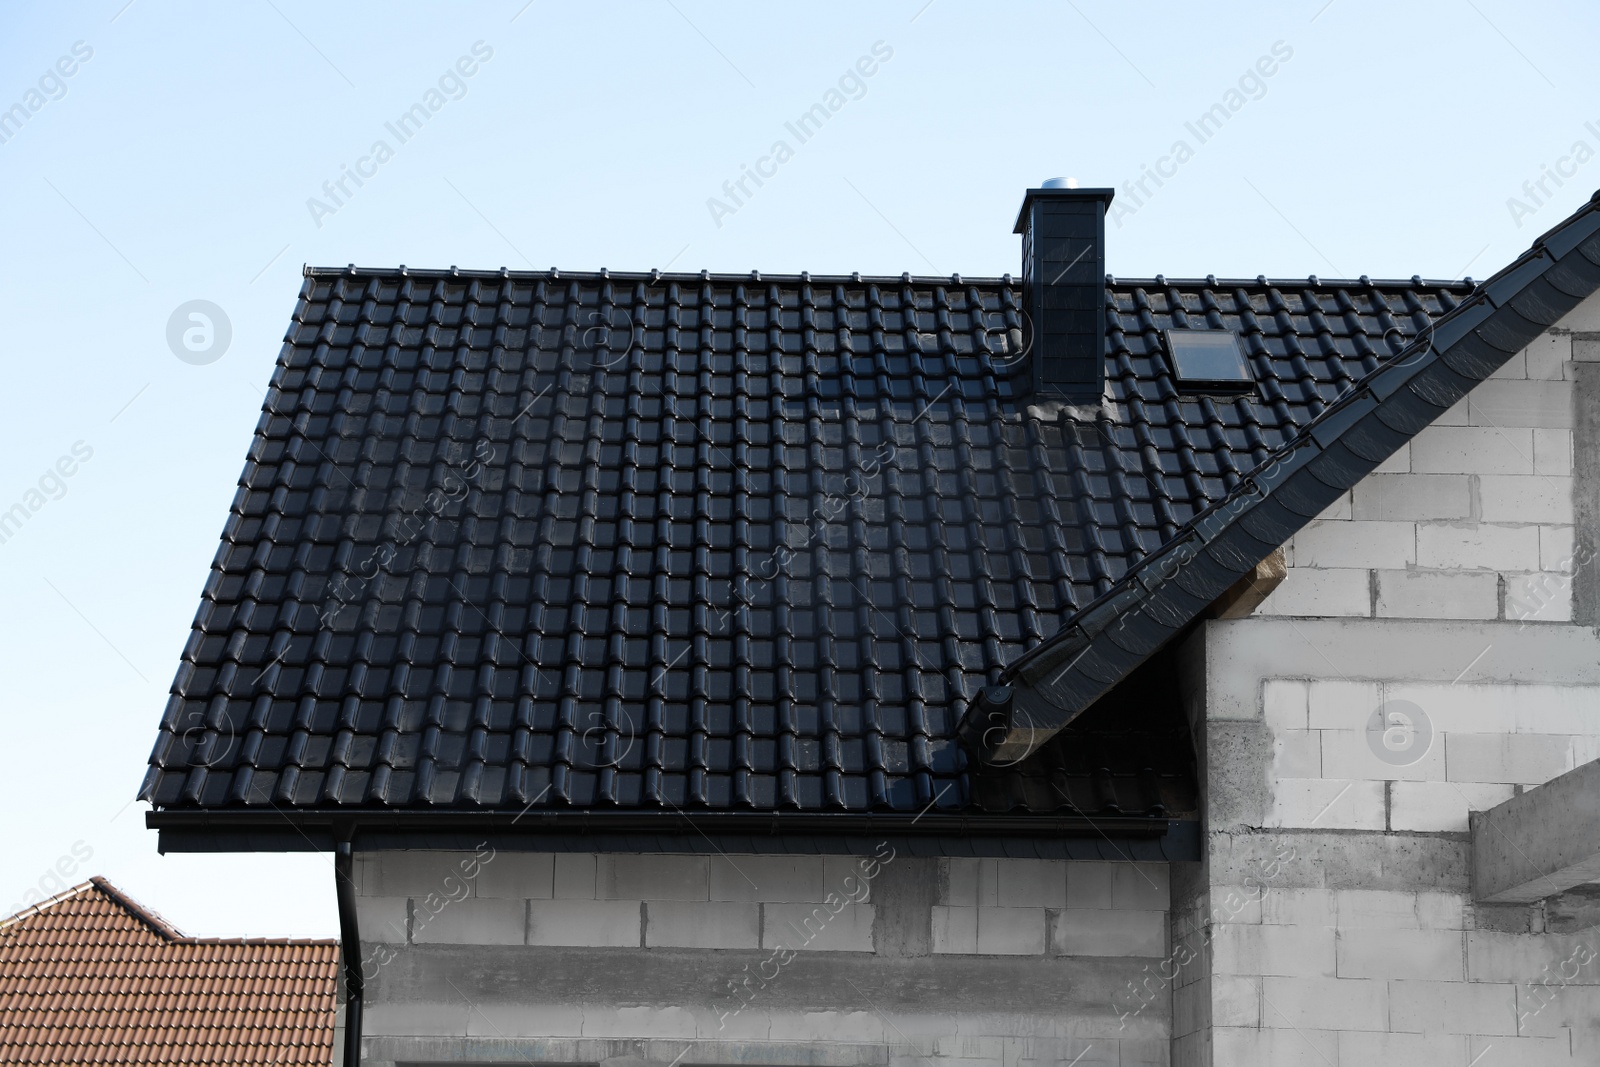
(91, 977)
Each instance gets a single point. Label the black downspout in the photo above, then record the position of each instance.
(350, 950)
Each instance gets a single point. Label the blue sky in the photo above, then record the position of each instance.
(185, 158)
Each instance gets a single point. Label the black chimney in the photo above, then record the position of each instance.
(1063, 287)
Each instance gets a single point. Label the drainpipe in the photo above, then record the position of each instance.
(349, 950)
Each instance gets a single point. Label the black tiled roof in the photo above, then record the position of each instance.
(548, 541)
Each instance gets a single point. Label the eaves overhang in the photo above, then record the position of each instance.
(1172, 588)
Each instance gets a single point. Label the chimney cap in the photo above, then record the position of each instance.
(1059, 183)
(1057, 192)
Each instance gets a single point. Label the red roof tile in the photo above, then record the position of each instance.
(90, 977)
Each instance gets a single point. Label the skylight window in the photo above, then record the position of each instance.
(1209, 360)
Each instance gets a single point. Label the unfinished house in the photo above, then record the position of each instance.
(970, 672)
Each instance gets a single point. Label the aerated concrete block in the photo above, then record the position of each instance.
(1435, 955)
(701, 924)
(1453, 1007)
(1015, 931)
(774, 879)
(1326, 1003)
(470, 922)
(1412, 497)
(1506, 449)
(1518, 758)
(652, 877)
(593, 923)
(1479, 547)
(955, 929)
(1358, 543)
(1542, 498)
(517, 875)
(818, 927)
(1420, 594)
(1031, 883)
(1527, 403)
(1106, 933)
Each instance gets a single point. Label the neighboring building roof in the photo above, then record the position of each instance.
(89, 976)
(758, 558)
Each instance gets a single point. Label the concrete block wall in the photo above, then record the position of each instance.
(576, 957)
(1331, 922)
(1434, 753)
(1327, 973)
(1474, 518)
(1034, 907)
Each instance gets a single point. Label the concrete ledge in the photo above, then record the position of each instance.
(1338, 859)
(1073, 994)
(1541, 843)
(386, 1051)
(1239, 653)
(817, 1039)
